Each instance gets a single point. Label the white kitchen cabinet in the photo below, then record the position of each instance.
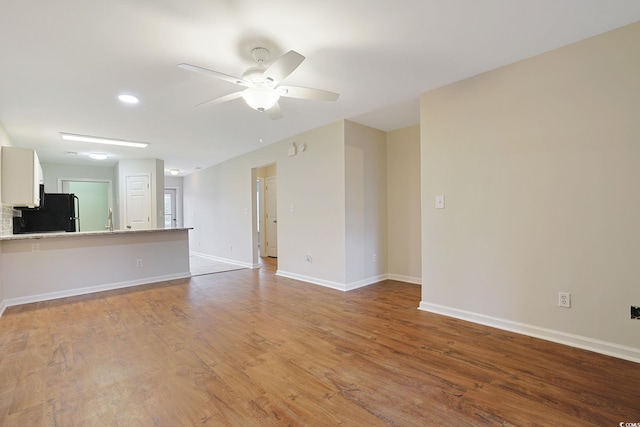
(21, 177)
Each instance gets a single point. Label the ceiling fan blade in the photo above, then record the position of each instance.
(222, 76)
(274, 112)
(283, 66)
(307, 93)
(221, 99)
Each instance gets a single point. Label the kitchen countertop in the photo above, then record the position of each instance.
(28, 236)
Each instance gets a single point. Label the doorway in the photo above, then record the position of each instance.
(170, 209)
(94, 202)
(259, 209)
(265, 221)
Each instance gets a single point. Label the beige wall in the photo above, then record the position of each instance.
(155, 169)
(6, 212)
(337, 188)
(4, 141)
(403, 193)
(267, 171)
(365, 205)
(218, 202)
(54, 172)
(539, 163)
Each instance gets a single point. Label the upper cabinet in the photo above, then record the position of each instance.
(21, 177)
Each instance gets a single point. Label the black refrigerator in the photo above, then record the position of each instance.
(57, 212)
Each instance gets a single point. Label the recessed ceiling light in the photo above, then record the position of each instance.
(98, 156)
(99, 140)
(174, 172)
(128, 99)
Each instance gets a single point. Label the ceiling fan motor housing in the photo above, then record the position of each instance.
(255, 76)
(260, 54)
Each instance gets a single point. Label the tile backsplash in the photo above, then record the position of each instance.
(6, 215)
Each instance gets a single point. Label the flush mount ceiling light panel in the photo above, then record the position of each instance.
(174, 172)
(98, 156)
(128, 99)
(99, 140)
(262, 83)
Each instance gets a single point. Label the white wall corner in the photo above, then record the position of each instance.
(366, 282)
(333, 285)
(406, 279)
(312, 280)
(3, 306)
(603, 347)
(227, 260)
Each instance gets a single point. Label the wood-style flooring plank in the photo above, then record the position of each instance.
(249, 348)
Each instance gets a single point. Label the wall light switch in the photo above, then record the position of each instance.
(440, 202)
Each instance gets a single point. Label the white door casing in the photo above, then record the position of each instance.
(138, 203)
(271, 208)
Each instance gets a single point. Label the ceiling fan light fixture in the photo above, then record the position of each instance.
(260, 98)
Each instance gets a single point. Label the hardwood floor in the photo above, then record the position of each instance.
(248, 348)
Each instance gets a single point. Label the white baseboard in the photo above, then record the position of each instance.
(603, 347)
(406, 279)
(366, 282)
(312, 280)
(228, 261)
(333, 285)
(89, 290)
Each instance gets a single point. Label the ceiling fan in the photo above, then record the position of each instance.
(262, 83)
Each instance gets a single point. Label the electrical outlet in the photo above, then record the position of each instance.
(138, 263)
(375, 257)
(308, 259)
(564, 299)
(635, 312)
(35, 247)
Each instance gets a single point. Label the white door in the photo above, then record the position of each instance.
(138, 203)
(271, 208)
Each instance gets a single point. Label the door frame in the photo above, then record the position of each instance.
(255, 244)
(258, 215)
(61, 182)
(266, 226)
(174, 206)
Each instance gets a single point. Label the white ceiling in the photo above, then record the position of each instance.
(63, 63)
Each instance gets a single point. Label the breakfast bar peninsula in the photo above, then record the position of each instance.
(39, 267)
